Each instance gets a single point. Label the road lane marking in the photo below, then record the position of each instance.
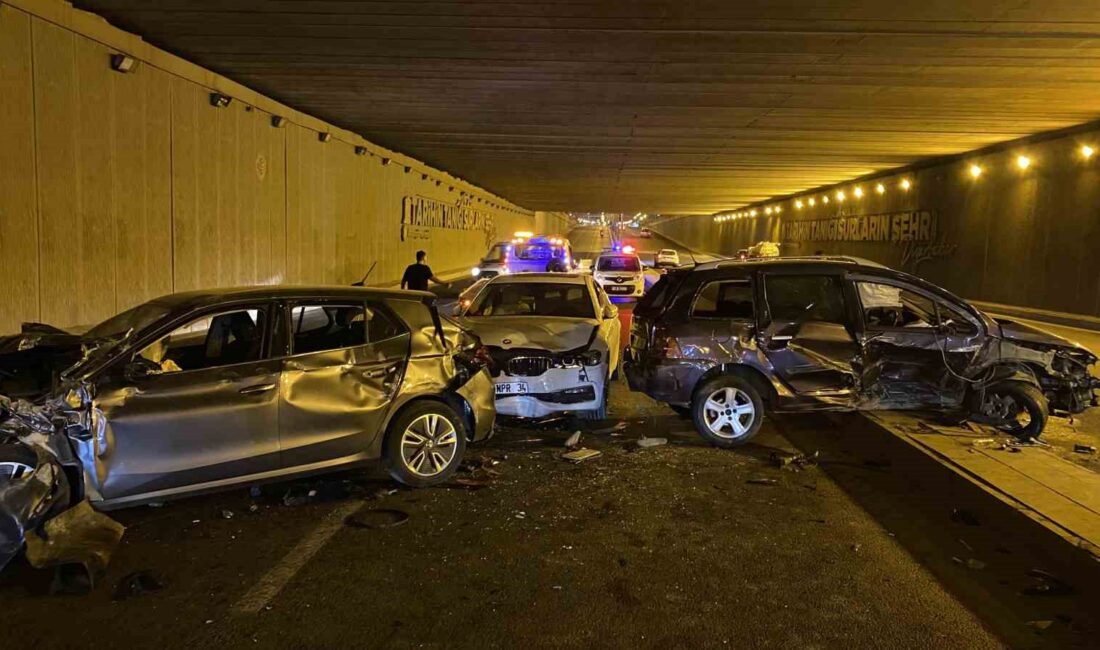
(269, 586)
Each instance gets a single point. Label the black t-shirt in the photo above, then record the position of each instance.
(416, 276)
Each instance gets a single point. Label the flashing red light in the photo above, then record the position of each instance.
(628, 249)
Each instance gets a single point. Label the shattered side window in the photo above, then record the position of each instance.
(328, 327)
(732, 300)
(210, 341)
(795, 298)
(888, 306)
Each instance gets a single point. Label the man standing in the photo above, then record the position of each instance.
(417, 275)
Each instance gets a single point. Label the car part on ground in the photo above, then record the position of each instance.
(812, 334)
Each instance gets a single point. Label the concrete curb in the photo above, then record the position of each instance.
(1046, 538)
(1081, 321)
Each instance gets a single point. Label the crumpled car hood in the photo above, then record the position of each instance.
(1015, 331)
(553, 334)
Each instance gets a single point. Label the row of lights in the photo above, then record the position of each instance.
(747, 214)
(126, 64)
(1023, 163)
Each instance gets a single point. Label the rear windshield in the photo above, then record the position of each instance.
(619, 263)
(534, 299)
(659, 294)
(538, 251)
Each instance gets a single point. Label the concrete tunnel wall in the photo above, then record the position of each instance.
(116, 188)
(1027, 237)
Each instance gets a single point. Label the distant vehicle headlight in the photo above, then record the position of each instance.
(475, 271)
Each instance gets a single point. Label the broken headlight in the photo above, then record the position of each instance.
(587, 358)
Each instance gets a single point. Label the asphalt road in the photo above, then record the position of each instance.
(679, 545)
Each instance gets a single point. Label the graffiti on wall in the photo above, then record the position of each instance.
(892, 227)
(420, 214)
(914, 231)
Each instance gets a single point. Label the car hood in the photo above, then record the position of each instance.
(1015, 331)
(544, 333)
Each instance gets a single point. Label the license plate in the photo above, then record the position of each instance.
(512, 388)
(619, 289)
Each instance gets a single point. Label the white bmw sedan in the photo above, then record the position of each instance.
(554, 342)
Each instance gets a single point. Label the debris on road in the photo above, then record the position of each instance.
(1046, 584)
(794, 462)
(1084, 449)
(762, 481)
(855, 547)
(227, 514)
(77, 536)
(573, 440)
(646, 443)
(580, 455)
(473, 483)
(1039, 626)
(618, 426)
(137, 583)
(964, 517)
(377, 518)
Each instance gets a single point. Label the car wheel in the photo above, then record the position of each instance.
(727, 411)
(601, 412)
(17, 461)
(425, 444)
(1018, 408)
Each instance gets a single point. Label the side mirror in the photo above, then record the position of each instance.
(610, 311)
(141, 368)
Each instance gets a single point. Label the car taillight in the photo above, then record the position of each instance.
(664, 344)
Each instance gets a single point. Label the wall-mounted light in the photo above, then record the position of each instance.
(752, 213)
(798, 204)
(975, 171)
(385, 161)
(905, 184)
(324, 136)
(278, 121)
(858, 192)
(825, 199)
(1086, 151)
(219, 100)
(812, 201)
(768, 210)
(880, 188)
(778, 209)
(123, 63)
(360, 150)
(840, 196)
(1023, 162)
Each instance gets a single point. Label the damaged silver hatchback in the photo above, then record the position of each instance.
(724, 341)
(203, 391)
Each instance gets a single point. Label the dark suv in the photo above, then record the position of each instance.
(726, 340)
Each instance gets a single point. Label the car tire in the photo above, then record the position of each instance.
(408, 456)
(601, 412)
(1027, 398)
(17, 460)
(732, 426)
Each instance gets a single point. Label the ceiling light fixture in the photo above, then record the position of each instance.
(975, 171)
(1023, 162)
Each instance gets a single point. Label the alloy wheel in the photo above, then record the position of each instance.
(429, 444)
(729, 413)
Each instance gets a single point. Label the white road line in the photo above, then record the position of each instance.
(269, 586)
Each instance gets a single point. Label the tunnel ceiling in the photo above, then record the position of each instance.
(657, 106)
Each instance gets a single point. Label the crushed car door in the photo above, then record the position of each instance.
(196, 406)
(346, 362)
(806, 333)
(909, 338)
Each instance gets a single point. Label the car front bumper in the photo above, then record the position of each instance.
(557, 390)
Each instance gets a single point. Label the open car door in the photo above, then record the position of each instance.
(806, 333)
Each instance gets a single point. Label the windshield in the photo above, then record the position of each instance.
(538, 251)
(135, 318)
(619, 263)
(534, 299)
(495, 254)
